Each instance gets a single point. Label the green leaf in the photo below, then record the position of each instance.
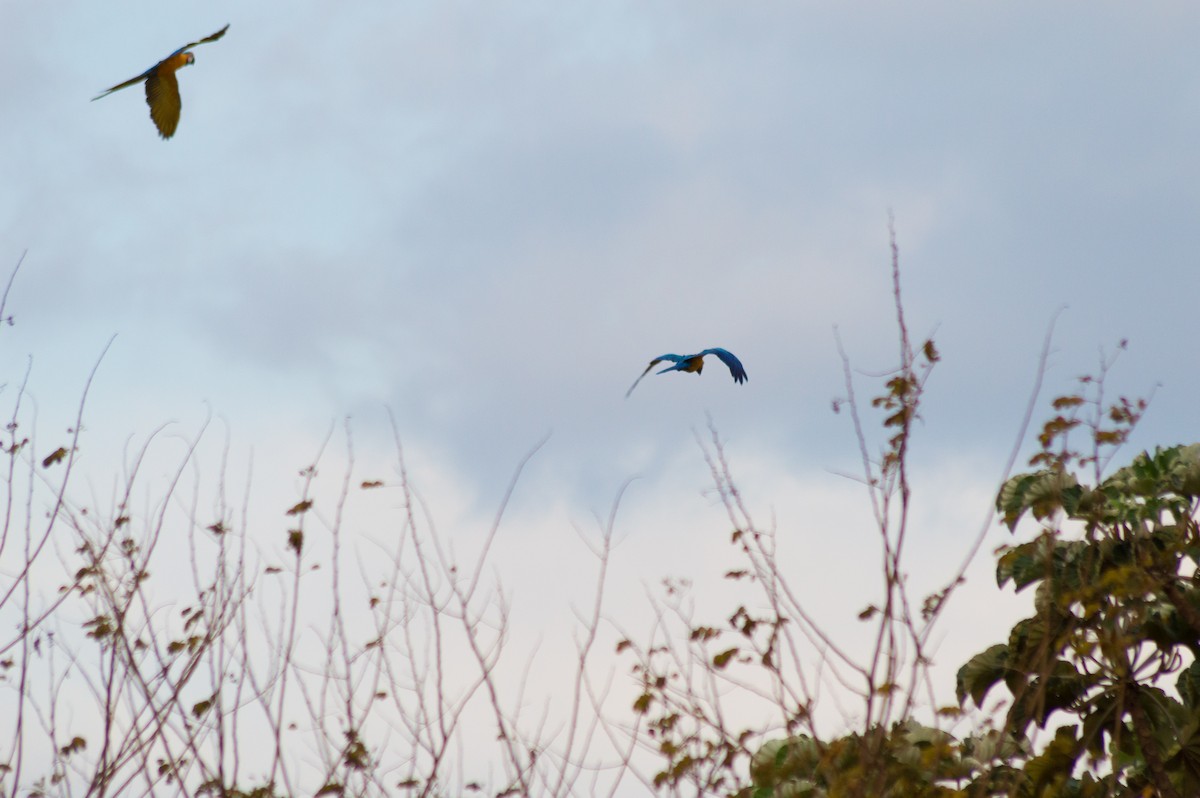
(1189, 753)
(1188, 472)
(1055, 764)
(981, 673)
(722, 659)
(1043, 493)
(1026, 564)
(1164, 712)
(56, 456)
(1188, 685)
(76, 745)
(1059, 689)
(779, 761)
(1034, 644)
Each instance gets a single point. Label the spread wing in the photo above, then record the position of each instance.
(148, 73)
(124, 85)
(653, 363)
(205, 40)
(735, 365)
(162, 95)
(145, 75)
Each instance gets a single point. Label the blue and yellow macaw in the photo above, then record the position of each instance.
(695, 364)
(162, 89)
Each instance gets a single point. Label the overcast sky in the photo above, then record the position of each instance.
(488, 217)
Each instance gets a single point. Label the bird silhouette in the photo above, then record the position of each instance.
(695, 364)
(162, 89)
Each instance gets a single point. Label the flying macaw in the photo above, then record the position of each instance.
(162, 89)
(695, 363)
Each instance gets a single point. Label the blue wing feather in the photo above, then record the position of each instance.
(735, 366)
(653, 363)
(681, 362)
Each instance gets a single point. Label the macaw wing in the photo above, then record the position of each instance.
(124, 85)
(162, 95)
(151, 70)
(205, 40)
(735, 366)
(653, 363)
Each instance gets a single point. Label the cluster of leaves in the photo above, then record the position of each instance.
(1102, 681)
(1109, 654)
(1108, 659)
(909, 759)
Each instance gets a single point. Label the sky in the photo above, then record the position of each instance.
(485, 219)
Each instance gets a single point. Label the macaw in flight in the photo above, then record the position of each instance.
(695, 363)
(162, 89)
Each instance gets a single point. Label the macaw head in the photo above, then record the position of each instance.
(188, 58)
